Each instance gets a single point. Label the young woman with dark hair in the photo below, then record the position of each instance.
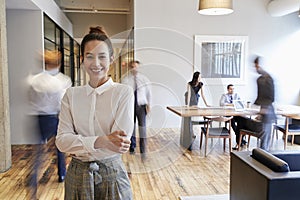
(96, 123)
(193, 88)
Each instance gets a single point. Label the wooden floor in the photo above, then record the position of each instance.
(166, 174)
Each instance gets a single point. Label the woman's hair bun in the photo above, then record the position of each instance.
(97, 30)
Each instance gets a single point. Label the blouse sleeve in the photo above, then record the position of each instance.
(67, 140)
(124, 115)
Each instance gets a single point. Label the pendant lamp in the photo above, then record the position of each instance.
(215, 7)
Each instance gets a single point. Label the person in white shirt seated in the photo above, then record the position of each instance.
(227, 99)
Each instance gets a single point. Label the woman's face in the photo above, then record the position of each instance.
(96, 60)
(199, 78)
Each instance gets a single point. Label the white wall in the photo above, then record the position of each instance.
(164, 42)
(25, 43)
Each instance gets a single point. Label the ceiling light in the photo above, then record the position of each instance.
(215, 7)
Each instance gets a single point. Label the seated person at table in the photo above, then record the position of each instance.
(227, 100)
(254, 125)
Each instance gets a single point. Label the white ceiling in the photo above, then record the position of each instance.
(82, 13)
(275, 7)
(278, 8)
(78, 6)
(20, 4)
(101, 6)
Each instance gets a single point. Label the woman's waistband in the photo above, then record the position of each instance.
(102, 161)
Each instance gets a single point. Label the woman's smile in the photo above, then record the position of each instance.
(96, 62)
(97, 70)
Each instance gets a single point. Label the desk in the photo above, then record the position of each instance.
(287, 110)
(186, 112)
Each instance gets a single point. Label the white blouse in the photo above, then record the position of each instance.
(87, 113)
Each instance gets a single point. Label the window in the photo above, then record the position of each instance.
(56, 39)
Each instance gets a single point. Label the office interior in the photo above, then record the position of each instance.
(161, 34)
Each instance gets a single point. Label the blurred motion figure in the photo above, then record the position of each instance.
(46, 91)
(142, 101)
(265, 98)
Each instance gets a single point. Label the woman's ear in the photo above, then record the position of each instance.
(81, 59)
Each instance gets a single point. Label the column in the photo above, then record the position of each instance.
(5, 146)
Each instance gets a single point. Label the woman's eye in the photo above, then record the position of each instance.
(90, 57)
(102, 57)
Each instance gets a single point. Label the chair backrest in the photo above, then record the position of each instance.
(296, 121)
(219, 118)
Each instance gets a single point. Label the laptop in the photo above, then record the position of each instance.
(238, 105)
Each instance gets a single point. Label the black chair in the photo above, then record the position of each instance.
(289, 129)
(248, 133)
(216, 132)
(199, 122)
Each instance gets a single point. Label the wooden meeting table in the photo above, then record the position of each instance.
(187, 112)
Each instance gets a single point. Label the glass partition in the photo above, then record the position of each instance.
(78, 79)
(125, 55)
(66, 55)
(57, 39)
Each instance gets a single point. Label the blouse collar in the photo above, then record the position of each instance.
(99, 90)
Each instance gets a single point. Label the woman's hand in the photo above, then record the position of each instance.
(116, 142)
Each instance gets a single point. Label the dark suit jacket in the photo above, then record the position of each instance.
(265, 97)
(265, 90)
